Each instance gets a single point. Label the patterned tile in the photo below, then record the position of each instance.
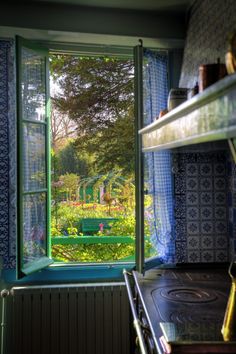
(206, 212)
(221, 256)
(234, 183)
(221, 242)
(206, 227)
(234, 230)
(206, 198)
(220, 198)
(219, 169)
(191, 169)
(206, 184)
(219, 183)
(193, 256)
(207, 256)
(193, 228)
(209, 24)
(180, 207)
(7, 145)
(207, 242)
(192, 184)
(179, 186)
(220, 212)
(204, 204)
(192, 213)
(192, 198)
(210, 38)
(205, 169)
(234, 198)
(180, 229)
(181, 252)
(193, 243)
(221, 227)
(231, 215)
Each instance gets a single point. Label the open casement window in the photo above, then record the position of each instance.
(154, 199)
(33, 158)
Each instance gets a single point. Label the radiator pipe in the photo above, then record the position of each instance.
(137, 324)
(4, 293)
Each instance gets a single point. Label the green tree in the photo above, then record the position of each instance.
(97, 94)
(68, 161)
(69, 184)
(113, 146)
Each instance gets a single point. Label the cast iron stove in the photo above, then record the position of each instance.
(184, 308)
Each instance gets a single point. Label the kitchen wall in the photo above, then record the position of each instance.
(197, 239)
(205, 176)
(210, 23)
(7, 155)
(201, 203)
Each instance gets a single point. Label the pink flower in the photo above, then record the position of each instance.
(101, 227)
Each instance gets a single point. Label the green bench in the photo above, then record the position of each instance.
(91, 225)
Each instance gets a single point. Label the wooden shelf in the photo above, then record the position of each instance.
(208, 116)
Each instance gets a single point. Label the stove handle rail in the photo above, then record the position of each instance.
(3, 296)
(136, 322)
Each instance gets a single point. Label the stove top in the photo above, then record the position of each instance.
(185, 305)
(182, 304)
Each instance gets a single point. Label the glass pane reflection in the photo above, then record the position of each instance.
(150, 218)
(34, 240)
(33, 86)
(34, 156)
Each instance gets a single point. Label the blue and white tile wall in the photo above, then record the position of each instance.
(201, 206)
(7, 155)
(232, 206)
(210, 23)
(205, 183)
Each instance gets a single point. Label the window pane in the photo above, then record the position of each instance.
(34, 233)
(33, 86)
(150, 208)
(34, 156)
(93, 159)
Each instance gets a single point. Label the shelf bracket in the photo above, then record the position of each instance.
(232, 146)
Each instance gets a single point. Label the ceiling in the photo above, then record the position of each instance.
(149, 5)
(160, 23)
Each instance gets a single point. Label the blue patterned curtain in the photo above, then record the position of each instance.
(159, 164)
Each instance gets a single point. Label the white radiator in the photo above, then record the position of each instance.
(69, 319)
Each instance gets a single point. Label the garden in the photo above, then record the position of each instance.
(109, 232)
(92, 136)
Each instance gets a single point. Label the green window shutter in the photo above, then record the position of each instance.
(33, 125)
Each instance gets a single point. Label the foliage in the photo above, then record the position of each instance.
(69, 214)
(68, 183)
(113, 146)
(125, 226)
(62, 128)
(94, 90)
(97, 94)
(92, 253)
(67, 160)
(67, 222)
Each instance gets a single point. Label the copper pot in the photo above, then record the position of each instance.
(210, 73)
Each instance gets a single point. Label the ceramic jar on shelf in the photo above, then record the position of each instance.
(176, 97)
(211, 73)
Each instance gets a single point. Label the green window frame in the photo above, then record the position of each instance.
(27, 261)
(33, 157)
